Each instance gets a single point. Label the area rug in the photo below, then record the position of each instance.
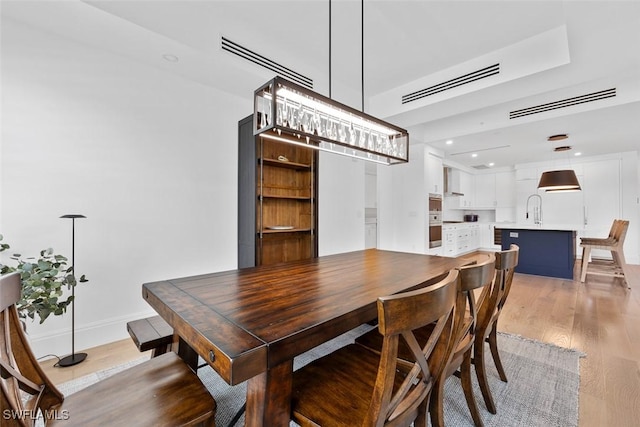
(542, 390)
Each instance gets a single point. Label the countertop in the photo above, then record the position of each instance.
(548, 227)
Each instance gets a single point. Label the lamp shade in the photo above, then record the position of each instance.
(559, 180)
(290, 113)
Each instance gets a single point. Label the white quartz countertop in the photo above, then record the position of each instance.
(556, 227)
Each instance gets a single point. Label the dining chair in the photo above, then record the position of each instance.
(490, 306)
(162, 391)
(614, 243)
(354, 386)
(474, 278)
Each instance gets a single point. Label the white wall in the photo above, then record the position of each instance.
(149, 158)
(403, 203)
(341, 204)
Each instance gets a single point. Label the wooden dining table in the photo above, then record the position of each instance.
(249, 324)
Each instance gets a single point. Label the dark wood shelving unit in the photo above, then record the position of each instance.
(277, 187)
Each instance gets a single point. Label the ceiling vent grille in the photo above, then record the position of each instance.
(265, 62)
(453, 83)
(480, 167)
(569, 102)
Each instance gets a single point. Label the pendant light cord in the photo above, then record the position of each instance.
(329, 48)
(362, 49)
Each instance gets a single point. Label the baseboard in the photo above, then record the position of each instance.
(58, 342)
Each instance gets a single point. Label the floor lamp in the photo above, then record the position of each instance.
(74, 358)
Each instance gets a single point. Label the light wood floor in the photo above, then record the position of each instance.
(600, 317)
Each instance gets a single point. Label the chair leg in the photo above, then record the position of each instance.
(423, 409)
(622, 263)
(467, 388)
(493, 346)
(586, 251)
(435, 404)
(479, 362)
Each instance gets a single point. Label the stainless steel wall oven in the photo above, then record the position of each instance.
(435, 220)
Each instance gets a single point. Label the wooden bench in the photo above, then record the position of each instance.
(151, 333)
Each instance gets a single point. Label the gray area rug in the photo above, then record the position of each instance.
(542, 390)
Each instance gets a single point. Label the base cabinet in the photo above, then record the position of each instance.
(277, 200)
(458, 239)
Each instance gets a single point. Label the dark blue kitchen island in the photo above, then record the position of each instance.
(543, 251)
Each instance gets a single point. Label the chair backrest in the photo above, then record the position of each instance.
(614, 228)
(493, 301)
(399, 315)
(621, 232)
(472, 277)
(25, 387)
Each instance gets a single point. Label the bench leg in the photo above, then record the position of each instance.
(160, 350)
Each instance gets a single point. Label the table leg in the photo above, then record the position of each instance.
(269, 397)
(187, 353)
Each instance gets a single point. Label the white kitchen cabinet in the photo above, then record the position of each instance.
(505, 189)
(524, 188)
(433, 174)
(487, 237)
(601, 182)
(459, 239)
(449, 247)
(601, 191)
(463, 183)
(474, 236)
(485, 191)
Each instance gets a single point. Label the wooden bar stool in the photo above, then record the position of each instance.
(617, 267)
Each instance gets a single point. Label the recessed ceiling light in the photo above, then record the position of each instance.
(474, 155)
(492, 164)
(170, 57)
(577, 154)
(449, 142)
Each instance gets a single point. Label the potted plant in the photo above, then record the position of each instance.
(43, 280)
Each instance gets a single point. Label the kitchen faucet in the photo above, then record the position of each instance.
(537, 210)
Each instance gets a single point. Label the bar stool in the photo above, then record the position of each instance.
(617, 267)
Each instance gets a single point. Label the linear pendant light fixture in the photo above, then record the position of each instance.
(287, 112)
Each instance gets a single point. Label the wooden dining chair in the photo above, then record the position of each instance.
(160, 392)
(617, 267)
(473, 278)
(354, 386)
(490, 306)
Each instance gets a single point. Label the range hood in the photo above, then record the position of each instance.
(452, 182)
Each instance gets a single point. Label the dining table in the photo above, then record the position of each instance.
(249, 324)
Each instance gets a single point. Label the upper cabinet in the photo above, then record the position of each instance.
(435, 183)
(481, 191)
(485, 191)
(460, 189)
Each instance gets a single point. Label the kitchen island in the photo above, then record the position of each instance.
(544, 250)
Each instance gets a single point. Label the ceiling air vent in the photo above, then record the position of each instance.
(576, 100)
(480, 167)
(265, 62)
(453, 83)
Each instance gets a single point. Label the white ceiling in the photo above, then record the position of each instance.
(406, 43)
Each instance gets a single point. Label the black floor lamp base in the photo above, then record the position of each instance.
(72, 359)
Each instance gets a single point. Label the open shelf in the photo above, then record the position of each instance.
(278, 186)
(286, 164)
(292, 230)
